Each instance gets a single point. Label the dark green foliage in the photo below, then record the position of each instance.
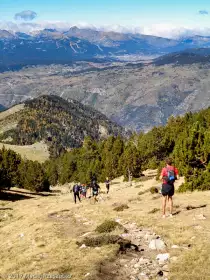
(108, 226)
(32, 176)
(121, 207)
(153, 190)
(16, 172)
(98, 241)
(62, 124)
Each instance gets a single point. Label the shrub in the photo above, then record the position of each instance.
(153, 190)
(108, 226)
(121, 207)
(97, 241)
(153, 211)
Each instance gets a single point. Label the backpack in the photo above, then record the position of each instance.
(171, 176)
(76, 188)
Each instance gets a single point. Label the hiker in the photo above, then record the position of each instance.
(95, 190)
(93, 179)
(168, 175)
(83, 191)
(76, 191)
(107, 183)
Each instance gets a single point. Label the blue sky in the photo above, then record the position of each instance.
(175, 14)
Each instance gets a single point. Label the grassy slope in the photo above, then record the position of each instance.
(48, 244)
(37, 151)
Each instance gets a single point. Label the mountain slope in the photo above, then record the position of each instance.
(137, 97)
(56, 121)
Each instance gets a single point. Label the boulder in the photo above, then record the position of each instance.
(163, 258)
(157, 244)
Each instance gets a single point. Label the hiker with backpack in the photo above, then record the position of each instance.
(83, 191)
(169, 175)
(95, 190)
(76, 192)
(107, 183)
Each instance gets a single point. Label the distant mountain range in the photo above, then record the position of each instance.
(50, 46)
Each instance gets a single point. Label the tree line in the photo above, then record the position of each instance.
(186, 139)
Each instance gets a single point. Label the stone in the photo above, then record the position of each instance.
(199, 217)
(143, 276)
(157, 244)
(163, 258)
(85, 234)
(21, 235)
(83, 246)
(143, 261)
(175, 247)
(86, 275)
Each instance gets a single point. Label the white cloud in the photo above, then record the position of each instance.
(163, 29)
(25, 15)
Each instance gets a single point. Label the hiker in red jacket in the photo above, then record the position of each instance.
(168, 175)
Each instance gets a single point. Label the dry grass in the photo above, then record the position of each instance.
(37, 151)
(11, 111)
(39, 235)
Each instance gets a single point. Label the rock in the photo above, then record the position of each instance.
(157, 244)
(199, 217)
(137, 265)
(142, 276)
(83, 246)
(85, 234)
(125, 235)
(175, 247)
(86, 275)
(143, 261)
(163, 258)
(21, 235)
(148, 237)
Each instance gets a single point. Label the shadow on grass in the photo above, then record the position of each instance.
(5, 209)
(189, 207)
(176, 213)
(32, 193)
(8, 196)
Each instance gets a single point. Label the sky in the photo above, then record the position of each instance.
(160, 17)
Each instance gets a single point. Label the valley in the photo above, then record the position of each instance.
(133, 95)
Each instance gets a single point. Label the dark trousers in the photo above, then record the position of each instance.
(107, 187)
(76, 195)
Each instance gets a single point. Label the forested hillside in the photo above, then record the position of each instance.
(62, 124)
(186, 139)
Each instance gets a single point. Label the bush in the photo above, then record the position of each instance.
(121, 207)
(98, 241)
(153, 211)
(153, 190)
(108, 226)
